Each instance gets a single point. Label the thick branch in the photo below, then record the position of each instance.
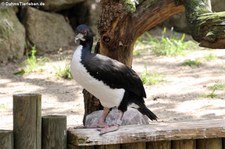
(207, 28)
(151, 13)
(120, 28)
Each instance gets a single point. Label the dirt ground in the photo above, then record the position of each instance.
(180, 97)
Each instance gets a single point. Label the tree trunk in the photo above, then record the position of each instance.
(120, 25)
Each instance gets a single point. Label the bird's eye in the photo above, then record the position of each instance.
(84, 32)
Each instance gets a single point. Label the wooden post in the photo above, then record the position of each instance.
(215, 143)
(54, 132)
(27, 121)
(223, 143)
(141, 145)
(159, 145)
(116, 146)
(80, 147)
(6, 139)
(184, 144)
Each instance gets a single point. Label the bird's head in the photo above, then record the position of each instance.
(83, 33)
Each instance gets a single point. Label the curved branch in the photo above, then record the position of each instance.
(151, 13)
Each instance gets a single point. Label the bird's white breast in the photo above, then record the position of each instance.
(108, 97)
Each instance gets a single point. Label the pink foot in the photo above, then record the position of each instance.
(102, 124)
(109, 129)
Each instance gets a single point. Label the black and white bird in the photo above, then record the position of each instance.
(112, 82)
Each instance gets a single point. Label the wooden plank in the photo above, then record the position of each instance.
(215, 143)
(158, 131)
(54, 132)
(80, 147)
(116, 146)
(27, 121)
(184, 144)
(159, 145)
(6, 139)
(140, 145)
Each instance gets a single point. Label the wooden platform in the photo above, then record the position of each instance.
(197, 133)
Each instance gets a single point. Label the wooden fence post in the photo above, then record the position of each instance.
(6, 139)
(54, 132)
(27, 121)
(141, 145)
(159, 145)
(214, 143)
(114, 146)
(184, 144)
(223, 143)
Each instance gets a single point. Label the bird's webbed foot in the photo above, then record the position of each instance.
(102, 124)
(109, 129)
(112, 128)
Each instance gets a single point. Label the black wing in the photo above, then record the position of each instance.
(114, 74)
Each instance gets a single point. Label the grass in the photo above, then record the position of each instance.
(63, 72)
(32, 63)
(2, 106)
(192, 63)
(217, 86)
(210, 57)
(137, 53)
(214, 88)
(151, 78)
(166, 46)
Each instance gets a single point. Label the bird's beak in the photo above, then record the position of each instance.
(79, 37)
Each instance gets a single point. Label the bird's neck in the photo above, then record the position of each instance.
(87, 44)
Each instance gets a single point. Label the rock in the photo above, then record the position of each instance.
(78, 14)
(57, 5)
(47, 31)
(95, 11)
(12, 36)
(218, 5)
(130, 117)
(179, 23)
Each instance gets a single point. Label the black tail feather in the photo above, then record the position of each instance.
(145, 111)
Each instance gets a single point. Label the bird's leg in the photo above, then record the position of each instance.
(101, 122)
(114, 127)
